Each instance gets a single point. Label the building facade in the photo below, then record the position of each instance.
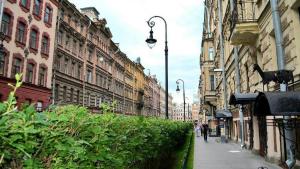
(28, 28)
(248, 27)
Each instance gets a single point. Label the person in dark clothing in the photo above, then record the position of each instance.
(205, 130)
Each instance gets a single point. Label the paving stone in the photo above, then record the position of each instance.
(216, 155)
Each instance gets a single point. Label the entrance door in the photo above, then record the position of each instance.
(262, 124)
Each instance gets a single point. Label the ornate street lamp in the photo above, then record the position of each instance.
(151, 43)
(178, 90)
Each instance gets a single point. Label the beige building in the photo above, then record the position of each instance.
(28, 28)
(162, 104)
(249, 27)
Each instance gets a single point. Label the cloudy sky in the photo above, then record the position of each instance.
(127, 22)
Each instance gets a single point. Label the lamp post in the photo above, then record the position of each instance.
(151, 42)
(188, 109)
(178, 90)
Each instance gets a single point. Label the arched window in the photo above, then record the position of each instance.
(48, 15)
(30, 73)
(7, 22)
(21, 32)
(42, 76)
(25, 5)
(37, 9)
(45, 44)
(16, 67)
(34, 39)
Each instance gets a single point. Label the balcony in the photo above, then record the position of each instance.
(243, 24)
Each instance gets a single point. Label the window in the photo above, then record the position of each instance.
(56, 91)
(80, 50)
(211, 54)
(2, 63)
(78, 96)
(81, 28)
(21, 36)
(79, 72)
(68, 42)
(6, 24)
(73, 69)
(65, 93)
(90, 55)
(30, 73)
(16, 68)
(89, 99)
(37, 8)
(33, 39)
(62, 13)
(60, 37)
(90, 36)
(74, 49)
(45, 45)
(66, 66)
(71, 95)
(212, 82)
(42, 76)
(48, 15)
(57, 63)
(89, 76)
(25, 5)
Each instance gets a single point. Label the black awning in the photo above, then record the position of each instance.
(242, 98)
(223, 114)
(277, 104)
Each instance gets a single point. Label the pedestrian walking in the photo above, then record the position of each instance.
(205, 128)
(197, 130)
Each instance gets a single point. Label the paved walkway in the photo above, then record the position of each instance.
(215, 155)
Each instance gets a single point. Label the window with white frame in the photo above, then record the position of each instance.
(211, 54)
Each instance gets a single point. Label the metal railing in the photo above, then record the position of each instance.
(243, 11)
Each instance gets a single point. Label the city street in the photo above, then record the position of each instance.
(216, 155)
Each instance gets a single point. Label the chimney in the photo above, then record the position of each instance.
(90, 12)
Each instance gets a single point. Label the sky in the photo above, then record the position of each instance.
(127, 21)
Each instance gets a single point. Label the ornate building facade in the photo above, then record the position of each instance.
(28, 29)
(248, 27)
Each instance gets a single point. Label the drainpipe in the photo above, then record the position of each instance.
(223, 63)
(238, 90)
(289, 136)
(238, 84)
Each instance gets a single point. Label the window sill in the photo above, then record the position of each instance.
(24, 9)
(37, 17)
(20, 44)
(32, 50)
(7, 38)
(45, 55)
(48, 24)
(12, 1)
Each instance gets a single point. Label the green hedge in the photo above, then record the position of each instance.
(72, 137)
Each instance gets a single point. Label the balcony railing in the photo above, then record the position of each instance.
(243, 11)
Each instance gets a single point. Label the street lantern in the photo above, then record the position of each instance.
(151, 41)
(177, 90)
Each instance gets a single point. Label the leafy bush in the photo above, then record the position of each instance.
(72, 137)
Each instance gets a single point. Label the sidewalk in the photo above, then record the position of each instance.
(214, 155)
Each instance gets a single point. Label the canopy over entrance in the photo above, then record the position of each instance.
(277, 104)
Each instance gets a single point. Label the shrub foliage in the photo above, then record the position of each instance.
(72, 137)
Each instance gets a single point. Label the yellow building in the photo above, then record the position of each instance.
(248, 26)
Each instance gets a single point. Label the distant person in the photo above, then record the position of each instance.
(205, 130)
(198, 130)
